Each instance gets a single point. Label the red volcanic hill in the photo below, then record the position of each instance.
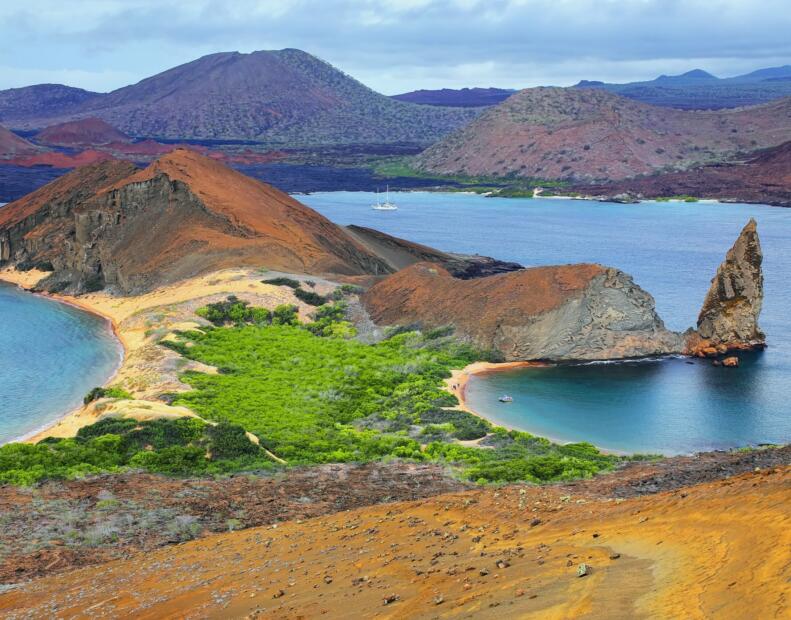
(11, 145)
(84, 132)
(113, 225)
(279, 96)
(589, 134)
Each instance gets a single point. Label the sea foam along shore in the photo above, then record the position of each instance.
(27, 280)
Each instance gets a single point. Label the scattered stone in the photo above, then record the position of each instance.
(615, 556)
(596, 535)
(483, 572)
(279, 593)
(390, 598)
(535, 522)
(583, 569)
(503, 564)
(439, 599)
(327, 579)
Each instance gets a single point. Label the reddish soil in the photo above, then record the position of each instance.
(701, 544)
(61, 525)
(61, 160)
(428, 294)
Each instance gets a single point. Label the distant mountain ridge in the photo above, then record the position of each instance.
(284, 97)
(591, 134)
(698, 89)
(41, 101)
(462, 97)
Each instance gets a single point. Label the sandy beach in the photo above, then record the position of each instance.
(139, 323)
(456, 384)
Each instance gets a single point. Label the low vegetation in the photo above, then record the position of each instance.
(679, 198)
(182, 446)
(507, 186)
(108, 392)
(311, 393)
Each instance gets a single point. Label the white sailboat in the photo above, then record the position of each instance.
(386, 205)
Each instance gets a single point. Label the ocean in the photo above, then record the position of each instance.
(51, 355)
(672, 250)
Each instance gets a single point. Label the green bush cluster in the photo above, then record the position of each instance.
(518, 456)
(463, 425)
(234, 310)
(290, 282)
(184, 446)
(108, 392)
(311, 298)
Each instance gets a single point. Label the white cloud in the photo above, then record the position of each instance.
(396, 45)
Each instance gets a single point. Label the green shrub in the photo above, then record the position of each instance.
(310, 297)
(234, 310)
(285, 314)
(229, 441)
(282, 282)
(108, 392)
(345, 290)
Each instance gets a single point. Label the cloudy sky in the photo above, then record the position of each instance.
(396, 45)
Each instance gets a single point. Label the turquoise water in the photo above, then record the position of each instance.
(672, 250)
(51, 354)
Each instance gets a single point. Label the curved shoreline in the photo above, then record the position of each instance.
(42, 431)
(457, 385)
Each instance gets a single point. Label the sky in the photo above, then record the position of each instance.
(395, 46)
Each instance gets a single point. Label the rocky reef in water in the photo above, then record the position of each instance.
(575, 312)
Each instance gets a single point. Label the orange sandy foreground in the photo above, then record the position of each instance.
(716, 550)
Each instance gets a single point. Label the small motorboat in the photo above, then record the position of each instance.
(506, 399)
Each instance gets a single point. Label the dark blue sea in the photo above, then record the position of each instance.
(672, 250)
(51, 355)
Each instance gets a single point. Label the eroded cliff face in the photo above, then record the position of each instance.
(575, 312)
(729, 317)
(568, 312)
(111, 225)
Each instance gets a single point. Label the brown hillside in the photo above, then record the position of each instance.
(566, 312)
(85, 132)
(182, 215)
(11, 145)
(71, 188)
(765, 178)
(557, 133)
(715, 550)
